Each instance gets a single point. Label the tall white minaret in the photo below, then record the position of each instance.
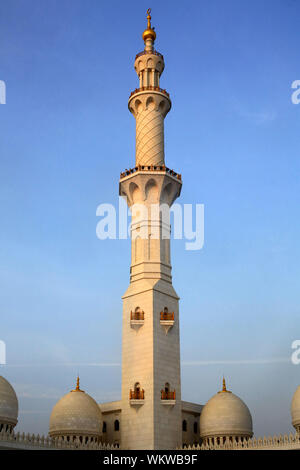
(151, 388)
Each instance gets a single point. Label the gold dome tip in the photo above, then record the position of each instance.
(224, 389)
(77, 389)
(149, 33)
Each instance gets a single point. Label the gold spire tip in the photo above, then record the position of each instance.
(224, 389)
(149, 18)
(224, 385)
(149, 33)
(77, 389)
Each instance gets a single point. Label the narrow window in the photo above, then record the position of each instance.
(117, 425)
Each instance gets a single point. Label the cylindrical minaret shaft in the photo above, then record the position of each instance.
(149, 104)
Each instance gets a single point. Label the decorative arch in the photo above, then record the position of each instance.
(150, 63)
(138, 106)
(135, 192)
(151, 190)
(162, 106)
(150, 103)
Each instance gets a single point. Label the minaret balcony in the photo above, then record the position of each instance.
(149, 88)
(168, 397)
(166, 316)
(149, 52)
(137, 397)
(161, 168)
(167, 320)
(137, 318)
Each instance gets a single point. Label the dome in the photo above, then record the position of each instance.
(75, 414)
(225, 414)
(295, 409)
(8, 404)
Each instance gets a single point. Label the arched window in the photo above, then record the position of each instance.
(195, 427)
(104, 427)
(138, 314)
(117, 425)
(138, 393)
(166, 315)
(184, 425)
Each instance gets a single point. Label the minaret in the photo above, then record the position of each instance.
(151, 388)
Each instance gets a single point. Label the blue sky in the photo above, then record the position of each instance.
(66, 134)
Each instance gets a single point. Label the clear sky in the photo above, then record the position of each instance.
(233, 133)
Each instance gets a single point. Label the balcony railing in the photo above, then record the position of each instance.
(149, 88)
(149, 52)
(167, 316)
(136, 315)
(150, 168)
(168, 395)
(137, 394)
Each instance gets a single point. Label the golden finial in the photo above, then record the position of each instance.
(224, 385)
(149, 33)
(224, 389)
(77, 383)
(77, 389)
(149, 18)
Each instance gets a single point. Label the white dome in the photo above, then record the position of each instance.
(225, 414)
(8, 403)
(76, 414)
(295, 409)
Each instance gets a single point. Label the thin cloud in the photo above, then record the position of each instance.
(66, 364)
(259, 117)
(278, 360)
(36, 391)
